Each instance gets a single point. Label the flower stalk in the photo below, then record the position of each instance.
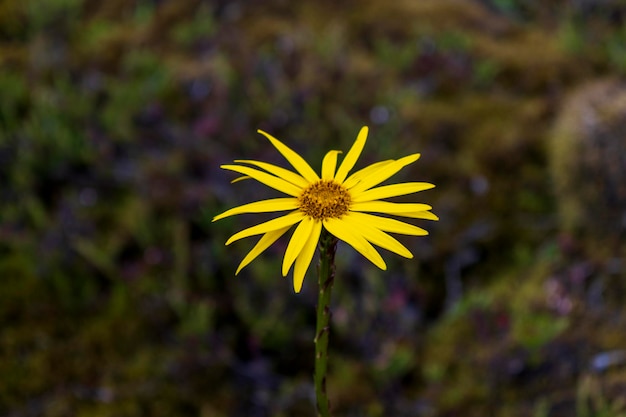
(326, 278)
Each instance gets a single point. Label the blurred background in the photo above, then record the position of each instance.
(118, 297)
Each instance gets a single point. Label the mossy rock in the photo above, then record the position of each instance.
(588, 161)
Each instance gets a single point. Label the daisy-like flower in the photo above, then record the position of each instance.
(336, 201)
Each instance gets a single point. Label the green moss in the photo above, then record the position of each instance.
(124, 303)
(203, 25)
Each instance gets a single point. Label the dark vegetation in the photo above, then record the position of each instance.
(117, 294)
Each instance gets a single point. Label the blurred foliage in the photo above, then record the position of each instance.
(118, 295)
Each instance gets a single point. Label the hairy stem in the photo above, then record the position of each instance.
(326, 277)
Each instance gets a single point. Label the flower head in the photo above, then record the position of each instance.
(335, 201)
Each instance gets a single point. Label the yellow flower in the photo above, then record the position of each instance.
(337, 201)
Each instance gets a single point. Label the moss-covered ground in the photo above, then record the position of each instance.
(118, 297)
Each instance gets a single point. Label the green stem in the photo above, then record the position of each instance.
(326, 276)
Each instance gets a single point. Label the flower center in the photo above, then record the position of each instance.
(324, 199)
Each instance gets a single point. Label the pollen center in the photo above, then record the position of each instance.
(324, 199)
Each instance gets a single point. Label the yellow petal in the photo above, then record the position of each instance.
(245, 177)
(383, 173)
(263, 243)
(390, 208)
(393, 190)
(427, 215)
(351, 157)
(343, 231)
(294, 159)
(267, 179)
(306, 254)
(297, 242)
(378, 237)
(275, 204)
(329, 164)
(389, 225)
(280, 172)
(274, 224)
(362, 173)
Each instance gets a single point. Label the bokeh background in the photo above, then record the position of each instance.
(118, 297)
